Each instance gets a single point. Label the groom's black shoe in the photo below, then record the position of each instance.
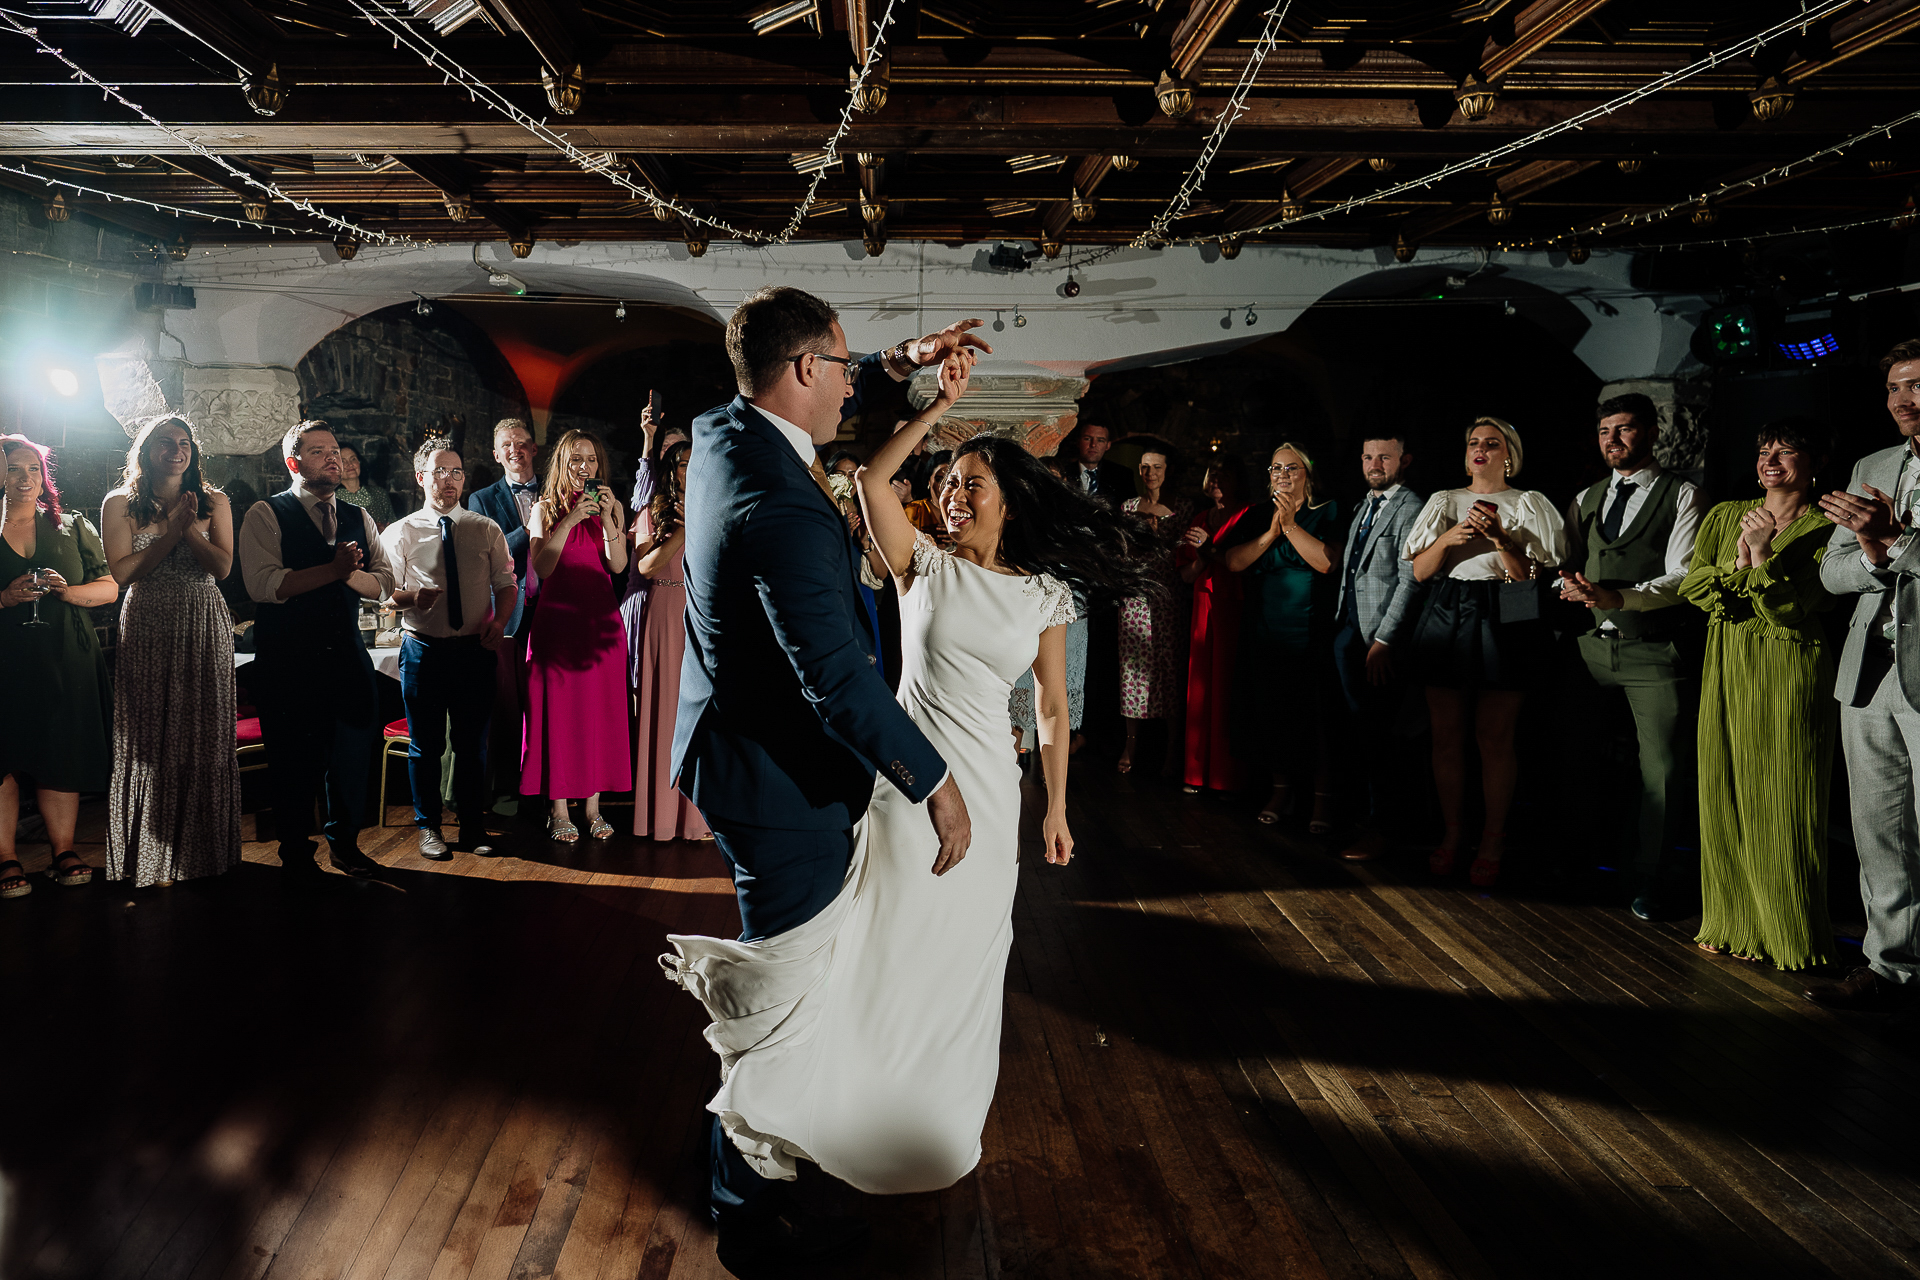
(772, 1244)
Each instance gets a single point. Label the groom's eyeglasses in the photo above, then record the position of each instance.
(846, 365)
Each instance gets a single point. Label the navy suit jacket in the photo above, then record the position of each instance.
(496, 502)
(783, 716)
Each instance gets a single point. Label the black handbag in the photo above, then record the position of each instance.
(1519, 601)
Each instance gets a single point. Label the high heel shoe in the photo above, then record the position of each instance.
(1440, 861)
(1484, 872)
(1276, 806)
(1320, 826)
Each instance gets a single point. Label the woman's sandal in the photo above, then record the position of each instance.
(1276, 806)
(1484, 872)
(562, 832)
(69, 875)
(1712, 948)
(598, 827)
(1440, 861)
(13, 879)
(1320, 826)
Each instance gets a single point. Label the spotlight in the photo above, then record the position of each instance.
(1071, 289)
(422, 307)
(620, 311)
(1252, 319)
(65, 381)
(1509, 310)
(1019, 321)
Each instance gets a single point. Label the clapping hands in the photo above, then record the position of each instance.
(1756, 538)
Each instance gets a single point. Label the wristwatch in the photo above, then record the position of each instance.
(899, 361)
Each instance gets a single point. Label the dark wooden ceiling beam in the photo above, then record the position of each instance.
(1087, 177)
(556, 34)
(1299, 181)
(237, 32)
(1534, 28)
(1852, 34)
(1514, 186)
(1197, 32)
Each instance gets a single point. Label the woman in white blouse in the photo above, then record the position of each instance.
(1480, 640)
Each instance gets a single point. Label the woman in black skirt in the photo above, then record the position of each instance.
(1486, 549)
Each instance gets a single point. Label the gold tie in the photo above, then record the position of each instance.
(819, 474)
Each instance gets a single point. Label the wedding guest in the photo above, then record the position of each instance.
(1480, 642)
(1374, 614)
(1879, 693)
(1767, 715)
(659, 543)
(58, 700)
(843, 462)
(308, 561)
(1213, 635)
(924, 513)
(657, 439)
(173, 812)
(1153, 629)
(455, 591)
(577, 741)
(508, 502)
(1632, 537)
(1087, 446)
(371, 499)
(1284, 674)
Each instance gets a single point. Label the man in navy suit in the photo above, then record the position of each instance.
(784, 719)
(508, 502)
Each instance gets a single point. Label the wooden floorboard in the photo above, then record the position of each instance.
(1225, 1054)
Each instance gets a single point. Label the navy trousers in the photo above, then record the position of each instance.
(1371, 713)
(317, 742)
(444, 681)
(783, 879)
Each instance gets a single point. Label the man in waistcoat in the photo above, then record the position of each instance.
(308, 561)
(1631, 540)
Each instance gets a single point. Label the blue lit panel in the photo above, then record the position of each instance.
(1811, 349)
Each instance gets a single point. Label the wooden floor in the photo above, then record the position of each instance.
(1226, 1054)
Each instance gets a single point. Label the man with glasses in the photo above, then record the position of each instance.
(456, 591)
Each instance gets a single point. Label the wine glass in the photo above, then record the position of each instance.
(41, 585)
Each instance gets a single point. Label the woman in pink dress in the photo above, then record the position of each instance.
(659, 544)
(576, 738)
(1214, 641)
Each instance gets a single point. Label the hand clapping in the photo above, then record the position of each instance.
(183, 515)
(1756, 538)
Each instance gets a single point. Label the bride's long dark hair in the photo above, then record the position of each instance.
(1054, 528)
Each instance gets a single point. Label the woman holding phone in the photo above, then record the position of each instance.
(1480, 641)
(577, 741)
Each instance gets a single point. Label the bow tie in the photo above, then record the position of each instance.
(531, 486)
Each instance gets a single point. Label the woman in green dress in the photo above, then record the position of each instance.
(60, 706)
(1286, 634)
(1767, 715)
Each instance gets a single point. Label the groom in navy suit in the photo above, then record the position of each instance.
(783, 719)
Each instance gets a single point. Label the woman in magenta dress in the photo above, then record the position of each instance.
(1215, 638)
(576, 738)
(659, 544)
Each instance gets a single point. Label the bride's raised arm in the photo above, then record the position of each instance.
(887, 521)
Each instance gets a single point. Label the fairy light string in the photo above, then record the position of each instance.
(400, 29)
(268, 188)
(116, 197)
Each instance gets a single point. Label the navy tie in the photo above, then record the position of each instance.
(456, 615)
(1360, 537)
(531, 486)
(1610, 523)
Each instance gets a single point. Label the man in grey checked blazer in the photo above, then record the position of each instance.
(1378, 605)
(1875, 555)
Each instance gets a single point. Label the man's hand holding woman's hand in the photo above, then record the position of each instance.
(958, 336)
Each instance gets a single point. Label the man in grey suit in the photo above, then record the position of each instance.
(1376, 610)
(1873, 556)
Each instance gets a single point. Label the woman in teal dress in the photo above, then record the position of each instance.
(1767, 714)
(1285, 674)
(59, 735)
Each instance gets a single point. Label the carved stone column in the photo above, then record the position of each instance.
(235, 409)
(1035, 407)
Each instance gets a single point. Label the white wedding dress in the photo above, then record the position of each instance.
(868, 1039)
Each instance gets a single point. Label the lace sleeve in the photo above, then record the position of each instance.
(928, 558)
(1058, 608)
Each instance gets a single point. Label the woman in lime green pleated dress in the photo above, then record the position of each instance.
(1767, 715)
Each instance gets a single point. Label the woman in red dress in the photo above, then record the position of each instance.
(1215, 629)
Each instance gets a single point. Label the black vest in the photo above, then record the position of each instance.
(322, 625)
(1639, 554)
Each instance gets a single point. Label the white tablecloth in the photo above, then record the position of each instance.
(385, 661)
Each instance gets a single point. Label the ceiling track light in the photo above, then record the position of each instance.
(1019, 321)
(620, 311)
(1252, 319)
(422, 307)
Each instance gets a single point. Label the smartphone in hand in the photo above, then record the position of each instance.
(653, 406)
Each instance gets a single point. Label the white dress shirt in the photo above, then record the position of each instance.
(802, 442)
(1689, 505)
(419, 560)
(260, 565)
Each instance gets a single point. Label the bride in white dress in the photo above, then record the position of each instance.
(867, 1040)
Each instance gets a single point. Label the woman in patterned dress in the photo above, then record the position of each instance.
(1153, 631)
(174, 808)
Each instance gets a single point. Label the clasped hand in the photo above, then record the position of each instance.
(23, 591)
(1756, 538)
(956, 337)
(184, 513)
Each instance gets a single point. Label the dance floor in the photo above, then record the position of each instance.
(1226, 1054)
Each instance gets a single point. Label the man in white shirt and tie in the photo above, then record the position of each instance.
(455, 588)
(1631, 542)
(308, 560)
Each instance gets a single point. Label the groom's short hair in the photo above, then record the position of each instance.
(771, 327)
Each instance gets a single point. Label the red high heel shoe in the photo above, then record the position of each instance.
(1440, 861)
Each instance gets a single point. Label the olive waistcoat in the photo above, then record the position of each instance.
(1638, 554)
